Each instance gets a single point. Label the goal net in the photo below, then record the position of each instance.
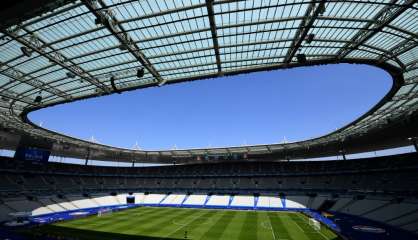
(104, 211)
(314, 224)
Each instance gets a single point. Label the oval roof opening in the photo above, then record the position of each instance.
(257, 108)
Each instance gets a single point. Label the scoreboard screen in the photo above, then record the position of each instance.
(33, 150)
(32, 154)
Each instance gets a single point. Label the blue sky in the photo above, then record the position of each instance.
(255, 108)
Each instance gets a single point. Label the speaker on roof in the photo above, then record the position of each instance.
(310, 38)
(112, 83)
(26, 51)
(38, 99)
(140, 72)
(97, 21)
(321, 8)
(70, 75)
(301, 58)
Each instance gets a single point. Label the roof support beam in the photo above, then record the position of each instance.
(204, 29)
(211, 16)
(125, 73)
(206, 48)
(19, 11)
(8, 94)
(411, 80)
(399, 49)
(19, 76)
(412, 65)
(108, 19)
(381, 20)
(36, 44)
(311, 14)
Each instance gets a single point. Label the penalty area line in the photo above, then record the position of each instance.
(184, 225)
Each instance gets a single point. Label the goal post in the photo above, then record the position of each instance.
(104, 211)
(315, 224)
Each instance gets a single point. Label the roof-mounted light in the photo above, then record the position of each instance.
(140, 72)
(98, 21)
(301, 58)
(26, 51)
(112, 83)
(321, 8)
(70, 75)
(38, 99)
(310, 38)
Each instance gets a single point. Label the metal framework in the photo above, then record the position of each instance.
(74, 51)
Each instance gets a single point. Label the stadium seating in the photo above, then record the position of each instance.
(297, 201)
(195, 200)
(359, 207)
(173, 199)
(341, 202)
(317, 201)
(218, 200)
(4, 212)
(81, 203)
(395, 213)
(105, 200)
(22, 204)
(242, 201)
(121, 198)
(269, 202)
(48, 202)
(358, 187)
(139, 198)
(68, 205)
(153, 198)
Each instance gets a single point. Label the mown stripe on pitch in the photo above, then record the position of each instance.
(117, 224)
(135, 225)
(164, 222)
(103, 219)
(111, 219)
(199, 220)
(301, 221)
(217, 229)
(280, 231)
(250, 226)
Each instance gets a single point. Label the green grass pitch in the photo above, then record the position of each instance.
(151, 223)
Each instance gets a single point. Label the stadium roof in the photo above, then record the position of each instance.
(54, 52)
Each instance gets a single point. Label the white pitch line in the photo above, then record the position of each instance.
(185, 224)
(272, 230)
(270, 227)
(325, 237)
(322, 235)
(299, 226)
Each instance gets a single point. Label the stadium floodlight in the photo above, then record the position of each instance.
(413, 140)
(321, 8)
(26, 51)
(38, 99)
(301, 58)
(310, 38)
(112, 83)
(97, 21)
(342, 152)
(70, 75)
(140, 72)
